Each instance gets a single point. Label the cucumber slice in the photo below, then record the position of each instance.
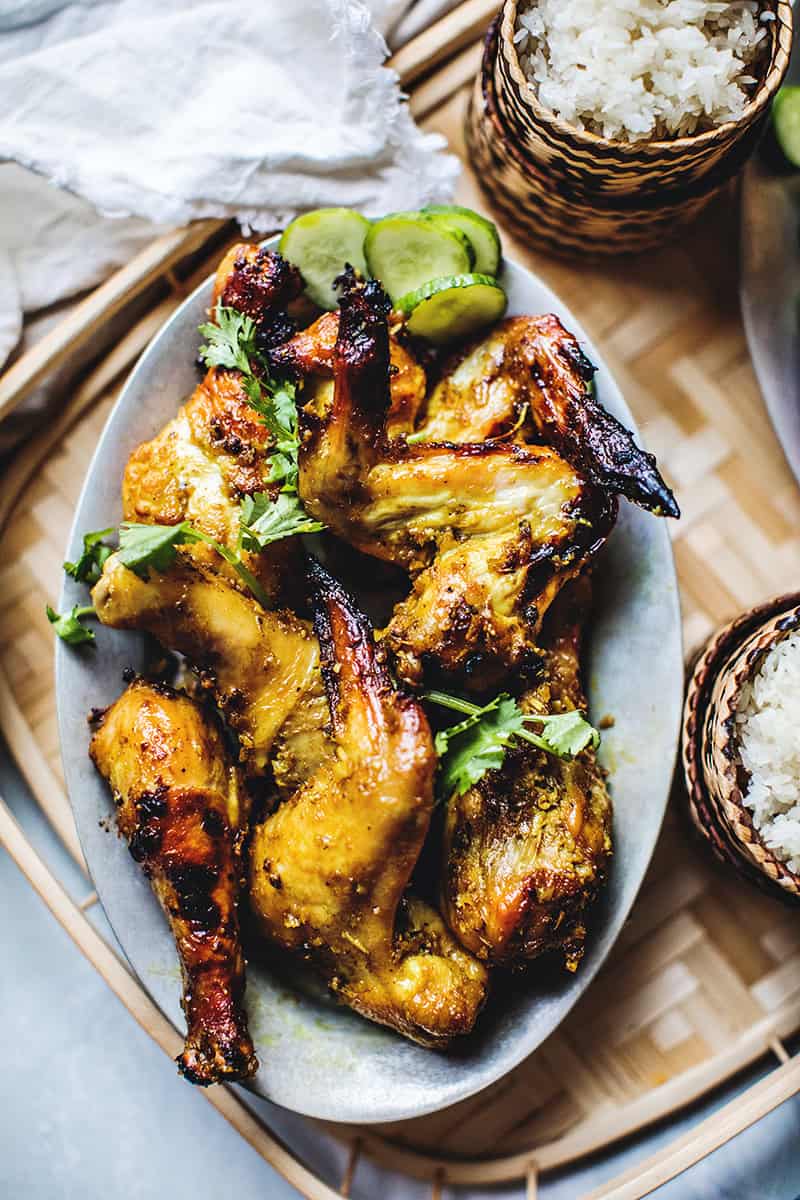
(406, 249)
(481, 232)
(453, 307)
(320, 243)
(786, 121)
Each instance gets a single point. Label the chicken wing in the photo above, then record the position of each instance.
(216, 450)
(261, 284)
(531, 376)
(329, 869)
(199, 468)
(310, 353)
(179, 805)
(526, 849)
(488, 532)
(262, 668)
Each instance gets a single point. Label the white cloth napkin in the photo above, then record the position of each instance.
(155, 112)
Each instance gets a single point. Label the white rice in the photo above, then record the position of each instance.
(769, 748)
(642, 69)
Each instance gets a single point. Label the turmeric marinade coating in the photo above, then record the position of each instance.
(526, 849)
(488, 532)
(261, 668)
(494, 510)
(492, 525)
(182, 809)
(330, 868)
(216, 450)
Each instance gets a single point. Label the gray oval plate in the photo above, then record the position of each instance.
(770, 289)
(316, 1058)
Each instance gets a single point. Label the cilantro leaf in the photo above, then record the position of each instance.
(284, 410)
(263, 520)
(143, 548)
(256, 398)
(231, 341)
(479, 743)
(90, 564)
(567, 734)
(68, 625)
(283, 469)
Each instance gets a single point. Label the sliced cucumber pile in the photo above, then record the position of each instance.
(482, 234)
(438, 266)
(406, 249)
(320, 243)
(453, 307)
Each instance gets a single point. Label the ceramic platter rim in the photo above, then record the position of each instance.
(316, 1059)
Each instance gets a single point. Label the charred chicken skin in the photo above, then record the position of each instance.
(329, 869)
(488, 532)
(527, 848)
(529, 378)
(261, 284)
(179, 806)
(311, 353)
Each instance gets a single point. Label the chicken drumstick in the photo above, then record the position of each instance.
(179, 805)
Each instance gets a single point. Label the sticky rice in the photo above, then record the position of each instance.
(643, 69)
(768, 726)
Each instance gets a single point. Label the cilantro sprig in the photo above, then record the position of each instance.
(89, 565)
(264, 520)
(143, 548)
(87, 569)
(68, 625)
(231, 342)
(480, 742)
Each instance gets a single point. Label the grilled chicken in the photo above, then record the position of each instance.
(262, 285)
(262, 668)
(488, 532)
(310, 355)
(179, 805)
(526, 849)
(198, 469)
(329, 869)
(529, 378)
(216, 450)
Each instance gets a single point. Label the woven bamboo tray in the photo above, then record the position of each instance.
(706, 975)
